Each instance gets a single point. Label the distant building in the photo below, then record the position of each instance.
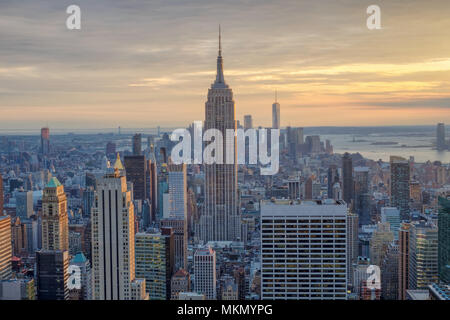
(55, 221)
(45, 141)
(276, 115)
(137, 144)
(444, 240)
(391, 215)
(441, 143)
(347, 172)
(400, 178)
(403, 260)
(248, 122)
(24, 204)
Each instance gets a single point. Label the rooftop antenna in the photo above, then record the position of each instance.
(220, 41)
(276, 96)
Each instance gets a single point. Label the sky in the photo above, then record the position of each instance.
(140, 64)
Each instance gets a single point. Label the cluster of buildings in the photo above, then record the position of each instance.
(111, 217)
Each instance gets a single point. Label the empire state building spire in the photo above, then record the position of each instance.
(220, 80)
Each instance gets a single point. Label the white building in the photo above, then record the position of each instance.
(113, 264)
(304, 249)
(205, 272)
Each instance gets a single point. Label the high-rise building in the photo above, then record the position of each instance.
(5, 248)
(300, 270)
(403, 260)
(352, 244)
(220, 220)
(276, 114)
(181, 282)
(136, 168)
(423, 255)
(113, 251)
(444, 240)
(294, 142)
(389, 272)
(180, 235)
(154, 261)
(177, 191)
(332, 179)
(362, 195)
(440, 137)
(248, 122)
(137, 144)
(24, 204)
(17, 289)
(400, 171)
(55, 221)
(52, 274)
(1, 195)
(45, 141)
(391, 215)
(205, 272)
(347, 173)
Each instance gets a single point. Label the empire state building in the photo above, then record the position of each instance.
(221, 216)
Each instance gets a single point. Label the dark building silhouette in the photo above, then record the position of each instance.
(52, 275)
(347, 173)
(137, 144)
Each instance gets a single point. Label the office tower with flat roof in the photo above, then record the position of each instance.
(400, 171)
(423, 255)
(205, 272)
(444, 240)
(113, 251)
(180, 282)
(248, 122)
(177, 191)
(332, 179)
(352, 244)
(154, 261)
(294, 142)
(137, 144)
(5, 248)
(55, 221)
(403, 260)
(441, 143)
(52, 275)
(362, 195)
(220, 220)
(179, 226)
(24, 204)
(136, 169)
(45, 141)
(389, 272)
(391, 215)
(304, 250)
(347, 179)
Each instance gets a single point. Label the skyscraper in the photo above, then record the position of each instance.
(440, 137)
(137, 144)
(403, 260)
(275, 114)
(292, 267)
(1, 195)
(113, 260)
(45, 141)
(423, 255)
(221, 216)
(248, 122)
(347, 172)
(205, 272)
(400, 171)
(362, 194)
(444, 240)
(352, 244)
(55, 222)
(332, 179)
(154, 261)
(5, 248)
(24, 204)
(52, 274)
(136, 169)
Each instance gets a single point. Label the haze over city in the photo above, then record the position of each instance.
(143, 64)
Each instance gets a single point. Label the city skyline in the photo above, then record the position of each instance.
(318, 57)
